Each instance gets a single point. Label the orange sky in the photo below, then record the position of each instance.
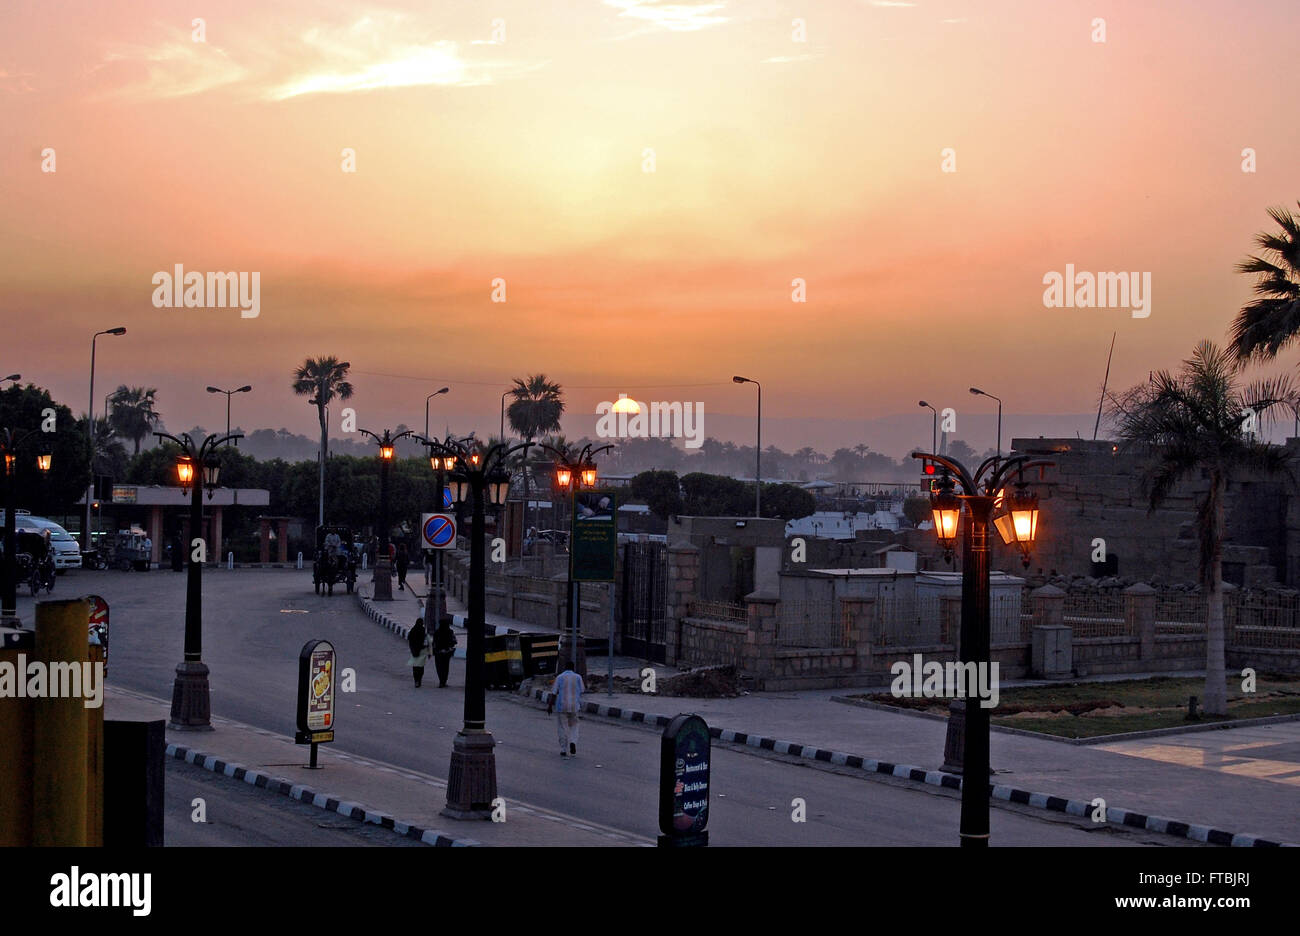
(522, 157)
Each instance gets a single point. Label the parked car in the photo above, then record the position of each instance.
(65, 551)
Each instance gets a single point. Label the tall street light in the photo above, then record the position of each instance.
(426, 414)
(11, 444)
(981, 494)
(758, 446)
(502, 437)
(383, 565)
(197, 468)
(934, 432)
(244, 389)
(573, 474)
(90, 429)
(978, 392)
(14, 377)
(479, 476)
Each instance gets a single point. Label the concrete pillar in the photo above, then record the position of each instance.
(282, 536)
(264, 537)
(764, 608)
(1140, 617)
(683, 580)
(1047, 604)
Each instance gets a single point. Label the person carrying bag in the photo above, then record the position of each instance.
(418, 640)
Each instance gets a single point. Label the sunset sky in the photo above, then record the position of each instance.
(521, 157)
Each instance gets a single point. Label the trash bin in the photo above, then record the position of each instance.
(539, 651)
(503, 662)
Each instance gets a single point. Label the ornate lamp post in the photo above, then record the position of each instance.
(383, 575)
(981, 494)
(11, 444)
(197, 467)
(478, 476)
(571, 474)
(441, 464)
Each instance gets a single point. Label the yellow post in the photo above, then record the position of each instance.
(16, 755)
(62, 751)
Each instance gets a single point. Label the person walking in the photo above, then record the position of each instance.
(403, 564)
(417, 638)
(566, 701)
(444, 648)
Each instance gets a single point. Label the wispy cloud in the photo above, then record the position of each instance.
(377, 50)
(15, 82)
(892, 3)
(678, 17)
(787, 59)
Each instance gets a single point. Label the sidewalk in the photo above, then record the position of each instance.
(367, 790)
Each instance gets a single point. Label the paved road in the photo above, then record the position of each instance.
(257, 620)
(240, 814)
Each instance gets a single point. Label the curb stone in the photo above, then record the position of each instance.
(1060, 804)
(303, 794)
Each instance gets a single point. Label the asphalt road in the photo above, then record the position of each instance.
(256, 621)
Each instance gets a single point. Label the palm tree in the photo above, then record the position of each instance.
(536, 409)
(1201, 421)
(133, 415)
(1272, 321)
(322, 379)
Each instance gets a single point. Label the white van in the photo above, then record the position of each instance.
(67, 554)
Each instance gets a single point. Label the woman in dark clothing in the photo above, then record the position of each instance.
(444, 647)
(403, 563)
(418, 640)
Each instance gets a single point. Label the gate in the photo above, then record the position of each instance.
(645, 588)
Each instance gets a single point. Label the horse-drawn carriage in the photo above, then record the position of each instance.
(35, 560)
(336, 559)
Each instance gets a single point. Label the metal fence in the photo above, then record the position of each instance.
(1096, 615)
(909, 621)
(719, 611)
(814, 624)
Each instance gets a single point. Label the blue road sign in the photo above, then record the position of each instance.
(439, 531)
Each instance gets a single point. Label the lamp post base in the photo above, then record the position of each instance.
(472, 780)
(191, 700)
(383, 580)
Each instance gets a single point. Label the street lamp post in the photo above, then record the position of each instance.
(758, 446)
(11, 443)
(197, 468)
(982, 493)
(573, 474)
(90, 429)
(934, 431)
(382, 577)
(229, 393)
(426, 413)
(478, 477)
(976, 391)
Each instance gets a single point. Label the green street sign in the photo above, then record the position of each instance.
(593, 539)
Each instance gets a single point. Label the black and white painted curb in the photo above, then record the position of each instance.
(1060, 804)
(302, 794)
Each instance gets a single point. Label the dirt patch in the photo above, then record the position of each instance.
(713, 682)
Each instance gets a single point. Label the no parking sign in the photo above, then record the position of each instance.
(438, 530)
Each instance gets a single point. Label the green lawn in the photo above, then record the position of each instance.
(1087, 710)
